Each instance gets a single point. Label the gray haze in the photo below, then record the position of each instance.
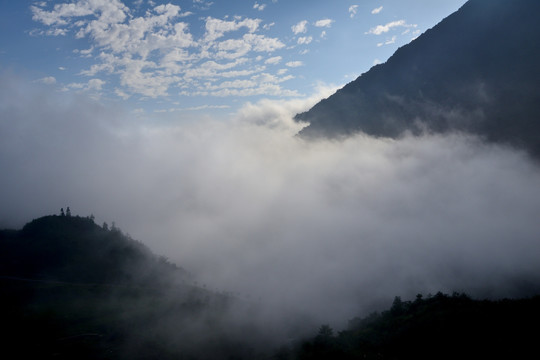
(329, 229)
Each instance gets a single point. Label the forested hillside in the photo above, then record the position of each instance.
(437, 327)
(70, 289)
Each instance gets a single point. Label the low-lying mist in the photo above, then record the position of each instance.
(328, 229)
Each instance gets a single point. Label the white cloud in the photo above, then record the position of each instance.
(106, 12)
(268, 26)
(300, 27)
(203, 4)
(203, 107)
(49, 80)
(76, 86)
(216, 28)
(262, 43)
(153, 52)
(324, 23)
(259, 7)
(377, 10)
(353, 9)
(304, 40)
(390, 41)
(381, 29)
(263, 83)
(122, 94)
(233, 48)
(273, 60)
(84, 52)
(95, 84)
(294, 64)
(57, 32)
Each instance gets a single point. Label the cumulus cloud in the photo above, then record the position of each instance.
(353, 9)
(95, 84)
(381, 29)
(155, 52)
(324, 23)
(273, 60)
(304, 40)
(259, 7)
(377, 10)
(294, 64)
(300, 28)
(325, 228)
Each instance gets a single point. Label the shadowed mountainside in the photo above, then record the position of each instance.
(475, 72)
(70, 289)
(75, 249)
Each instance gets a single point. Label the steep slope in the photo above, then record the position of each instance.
(476, 71)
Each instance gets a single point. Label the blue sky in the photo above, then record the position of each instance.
(204, 57)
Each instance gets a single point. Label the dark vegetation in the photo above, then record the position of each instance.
(70, 289)
(438, 327)
(475, 72)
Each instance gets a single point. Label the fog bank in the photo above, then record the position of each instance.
(323, 228)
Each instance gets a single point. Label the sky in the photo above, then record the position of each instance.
(174, 120)
(197, 57)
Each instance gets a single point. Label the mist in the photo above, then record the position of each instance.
(328, 229)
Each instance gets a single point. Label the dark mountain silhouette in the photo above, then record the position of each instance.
(70, 289)
(477, 72)
(75, 249)
(438, 327)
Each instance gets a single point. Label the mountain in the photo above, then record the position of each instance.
(476, 72)
(75, 249)
(70, 289)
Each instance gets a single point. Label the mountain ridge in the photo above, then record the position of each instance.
(475, 72)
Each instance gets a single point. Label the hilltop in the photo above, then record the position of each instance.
(75, 249)
(70, 288)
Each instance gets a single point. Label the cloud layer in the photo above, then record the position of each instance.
(327, 228)
(155, 52)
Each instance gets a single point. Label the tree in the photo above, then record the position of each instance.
(326, 333)
(62, 212)
(397, 306)
(68, 211)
